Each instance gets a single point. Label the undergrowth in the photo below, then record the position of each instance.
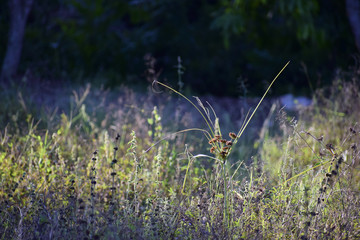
(122, 174)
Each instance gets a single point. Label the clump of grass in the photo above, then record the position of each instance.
(221, 147)
(318, 159)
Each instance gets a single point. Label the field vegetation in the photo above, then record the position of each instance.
(89, 163)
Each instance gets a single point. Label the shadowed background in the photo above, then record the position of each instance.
(229, 48)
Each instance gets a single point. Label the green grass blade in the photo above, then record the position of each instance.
(257, 106)
(183, 96)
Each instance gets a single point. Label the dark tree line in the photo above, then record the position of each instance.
(19, 12)
(220, 41)
(353, 12)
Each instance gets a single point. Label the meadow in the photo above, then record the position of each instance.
(90, 163)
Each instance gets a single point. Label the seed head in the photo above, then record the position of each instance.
(232, 135)
(223, 154)
(212, 141)
(330, 146)
(352, 130)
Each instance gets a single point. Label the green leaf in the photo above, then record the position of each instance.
(219, 195)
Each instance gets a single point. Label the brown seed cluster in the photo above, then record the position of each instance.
(224, 145)
(232, 135)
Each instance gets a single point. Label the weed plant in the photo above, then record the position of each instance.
(122, 173)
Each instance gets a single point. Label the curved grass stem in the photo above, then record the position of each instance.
(183, 96)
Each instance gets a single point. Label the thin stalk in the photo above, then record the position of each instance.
(180, 94)
(187, 169)
(225, 197)
(257, 106)
(303, 172)
(207, 134)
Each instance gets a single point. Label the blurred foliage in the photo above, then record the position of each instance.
(321, 132)
(218, 40)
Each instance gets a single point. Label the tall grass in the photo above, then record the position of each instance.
(100, 171)
(219, 146)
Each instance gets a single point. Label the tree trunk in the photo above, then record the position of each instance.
(353, 12)
(19, 11)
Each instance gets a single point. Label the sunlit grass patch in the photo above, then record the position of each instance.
(117, 170)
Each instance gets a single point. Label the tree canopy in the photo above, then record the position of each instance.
(224, 44)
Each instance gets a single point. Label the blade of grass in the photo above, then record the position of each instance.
(257, 106)
(207, 134)
(183, 96)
